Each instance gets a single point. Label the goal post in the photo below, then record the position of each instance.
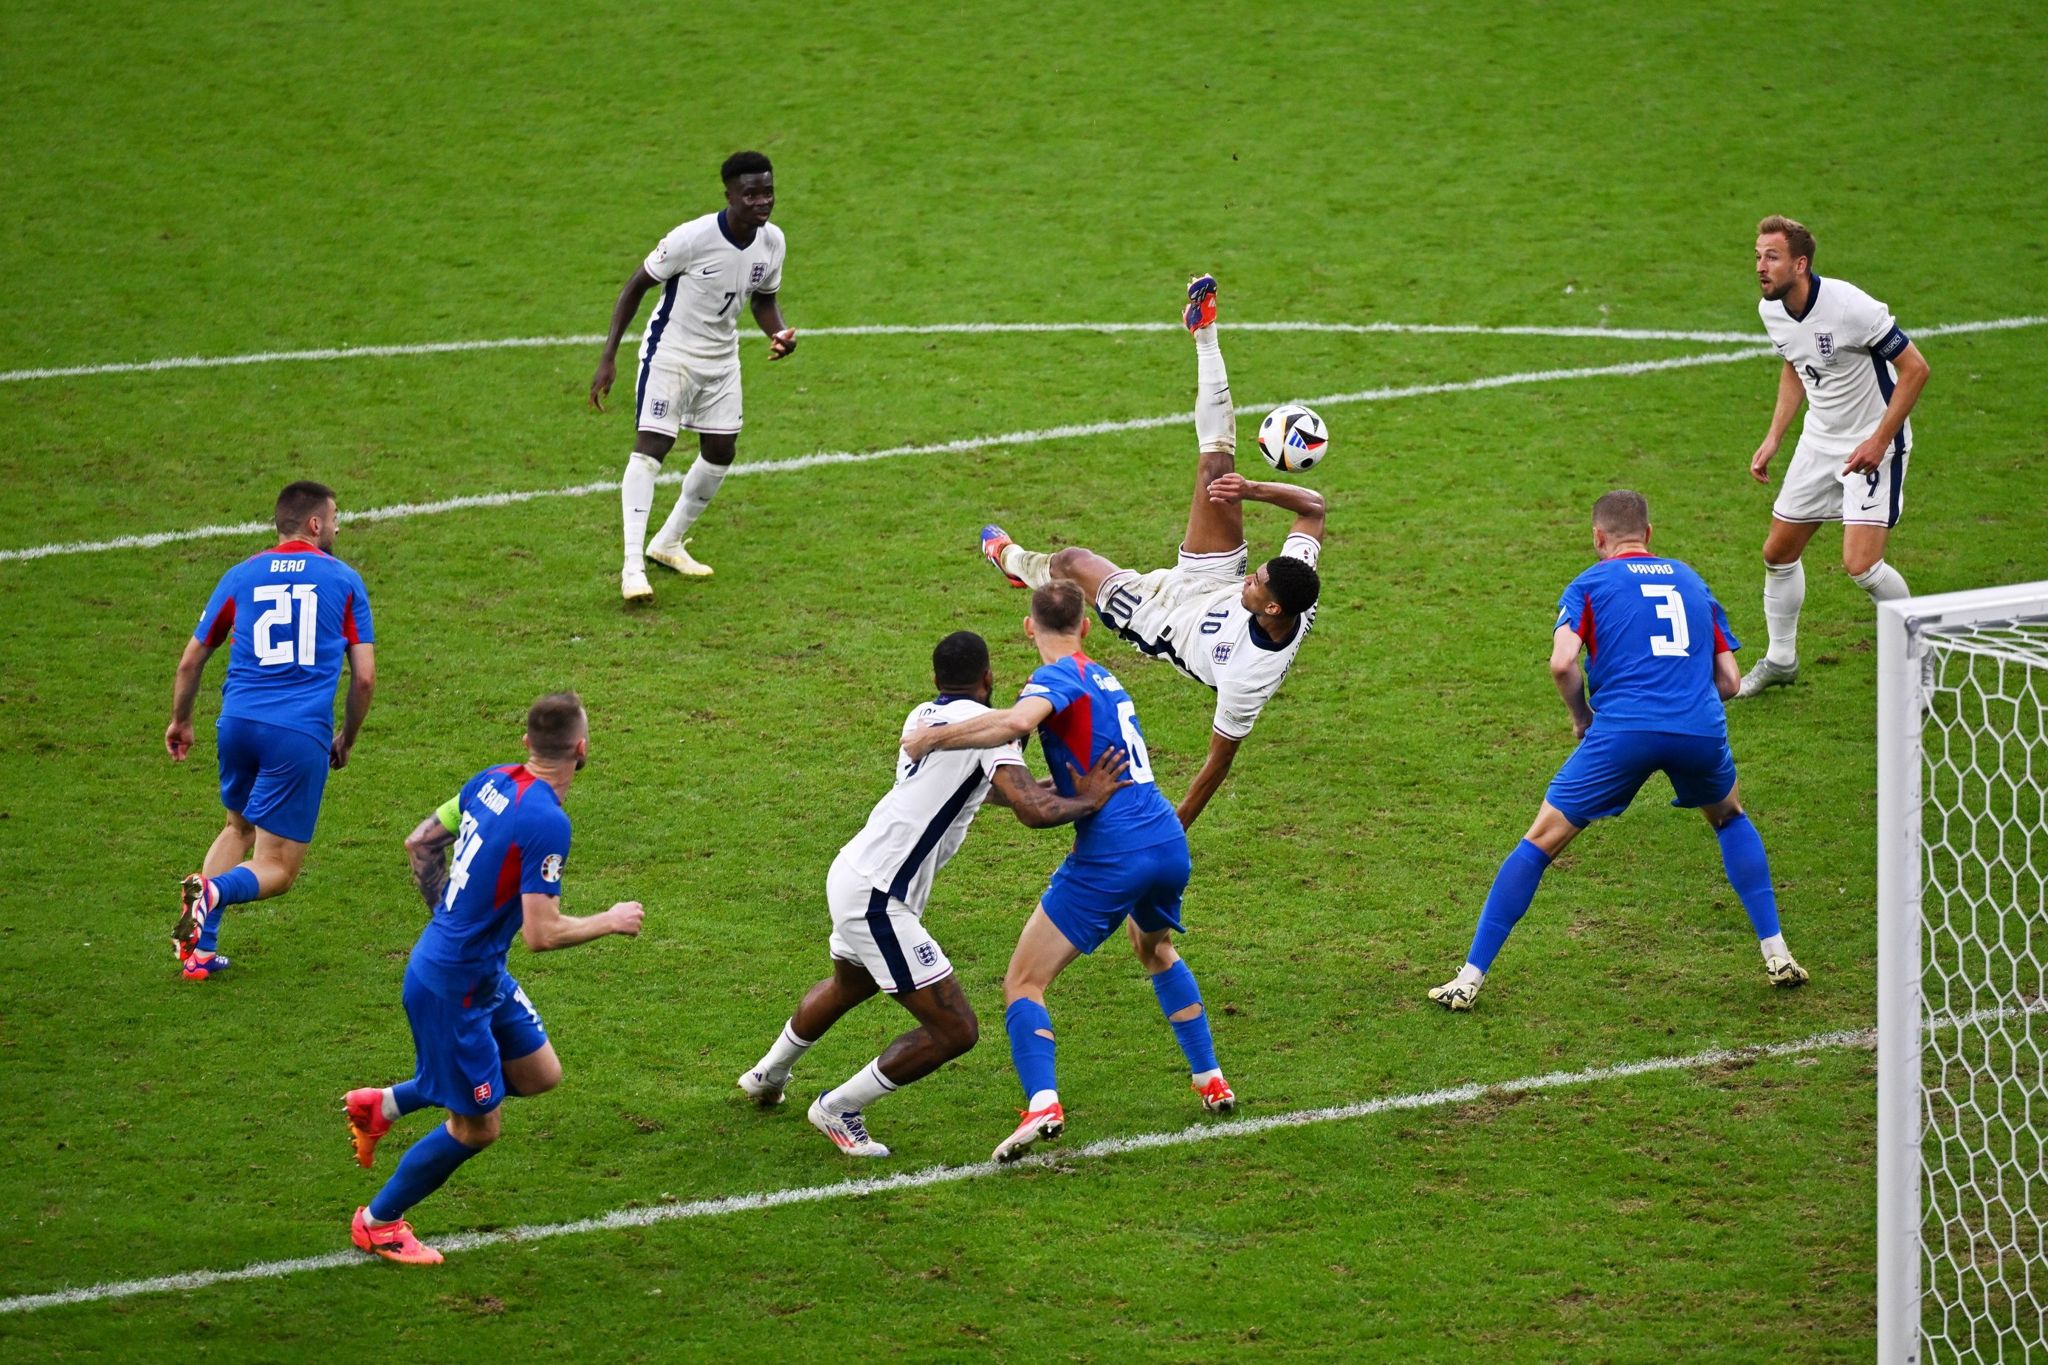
(1962, 976)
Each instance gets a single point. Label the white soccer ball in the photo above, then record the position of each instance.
(1293, 438)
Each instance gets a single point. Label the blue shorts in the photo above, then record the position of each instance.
(1610, 766)
(272, 777)
(460, 1043)
(1090, 897)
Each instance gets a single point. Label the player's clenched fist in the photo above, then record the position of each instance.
(626, 917)
(178, 739)
(782, 343)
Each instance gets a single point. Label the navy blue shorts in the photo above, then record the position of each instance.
(272, 777)
(1090, 897)
(1610, 766)
(459, 1045)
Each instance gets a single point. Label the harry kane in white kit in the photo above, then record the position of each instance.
(1220, 622)
(880, 883)
(689, 367)
(1860, 376)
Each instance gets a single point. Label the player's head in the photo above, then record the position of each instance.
(1058, 619)
(305, 511)
(749, 188)
(1282, 586)
(960, 666)
(558, 730)
(1620, 518)
(1784, 255)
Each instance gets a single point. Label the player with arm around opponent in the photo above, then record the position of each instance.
(1128, 867)
(1230, 627)
(476, 1036)
(290, 616)
(881, 882)
(1660, 655)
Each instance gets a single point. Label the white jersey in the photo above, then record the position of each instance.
(922, 821)
(1842, 347)
(707, 281)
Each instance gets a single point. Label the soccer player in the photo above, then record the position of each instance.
(1235, 631)
(289, 616)
(690, 358)
(1860, 376)
(1128, 867)
(879, 885)
(476, 1036)
(1660, 657)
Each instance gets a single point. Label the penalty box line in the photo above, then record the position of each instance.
(648, 1216)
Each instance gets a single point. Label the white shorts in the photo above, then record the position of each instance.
(1162, 610)
(689, 395)
(880, 933)
(1815, 488)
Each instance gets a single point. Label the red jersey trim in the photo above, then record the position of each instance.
(222, 627)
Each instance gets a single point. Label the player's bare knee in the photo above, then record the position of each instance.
(1069, 562)
(474, 1130)
(1858, 562)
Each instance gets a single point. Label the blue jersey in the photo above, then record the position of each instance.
(1651, 629)
(1091, 712)
(291, 613)
(513, 842)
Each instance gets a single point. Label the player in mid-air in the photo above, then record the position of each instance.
(1660, 658)
(476, 1036)
(707, 269)
(879, 885)
(290, 616)
(1234, 630)
(1860, 377)
(1128, 867)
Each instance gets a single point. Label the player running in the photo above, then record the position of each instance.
(476, 1036)
(879, 885)
(289, 617)
(1129, 864)
(1660, 656)
(1860, 376)
(690, 358)
(1237, 632)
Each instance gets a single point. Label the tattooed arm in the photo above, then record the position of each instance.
(427, 847)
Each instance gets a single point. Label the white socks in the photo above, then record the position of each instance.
(1774, 946)
(700, 485)
(1882, 582)
(1034, 567)
(781, 1057)
(636, 499)
(389, 1105)
(1469, 975)
(1041, 1099)
(867, 1086)
(1784, 594)
(1215, 421)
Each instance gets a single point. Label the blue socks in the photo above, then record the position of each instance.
(229, 888)
(426, 1166)
(406, 1095)
(1749, 872)
(1176, 990)
(1514, 886)
(1030, 1053)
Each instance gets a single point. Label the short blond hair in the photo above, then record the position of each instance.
(1795, 233)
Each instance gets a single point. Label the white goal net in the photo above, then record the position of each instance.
(1963, 977)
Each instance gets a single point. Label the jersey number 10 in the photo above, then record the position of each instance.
(285, 600)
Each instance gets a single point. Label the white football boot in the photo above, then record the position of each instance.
(760, 1089)
(1456, 994)
(634, 587)
(1036, 1125)
(679, 558)
(845, 1129)
(1766, 674)
(1785, 972)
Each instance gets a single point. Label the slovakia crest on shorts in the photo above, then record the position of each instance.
(482, 1093)
(760, 270)
(927, 955)
(1222, 652)
(1825, 341)
(551, 868)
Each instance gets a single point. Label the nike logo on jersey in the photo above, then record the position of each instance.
(708, 271)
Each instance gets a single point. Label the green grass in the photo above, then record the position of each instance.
(209, 181)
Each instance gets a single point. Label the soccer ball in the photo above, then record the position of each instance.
(1293, 438)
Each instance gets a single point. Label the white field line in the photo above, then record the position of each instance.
(647, 1216)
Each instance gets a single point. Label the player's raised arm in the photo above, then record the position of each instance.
(1306, 503)
(985, 731)
(1216, 767)
(1041, 807)
(623, 311)
(1570, 678)
(545, 927)
(1791, 393)
(768, 314)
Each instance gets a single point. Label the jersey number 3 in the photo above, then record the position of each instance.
(1672, 608)
(286, 600)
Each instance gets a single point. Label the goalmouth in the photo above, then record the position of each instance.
(1962, 976)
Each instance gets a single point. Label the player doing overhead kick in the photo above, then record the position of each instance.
(1213, 617)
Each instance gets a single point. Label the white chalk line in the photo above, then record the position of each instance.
(648, 1216)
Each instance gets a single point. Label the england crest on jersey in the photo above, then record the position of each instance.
(1826, 342)
(760, 270)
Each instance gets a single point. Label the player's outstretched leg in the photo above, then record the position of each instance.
(1749, 873)
(946, 1029)
(1211, 529)
(1043, 952)
(766, 1080)
(1514, 886)
(380, 1226)
(1180, 1000)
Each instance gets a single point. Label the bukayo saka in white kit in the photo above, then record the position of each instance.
(1860, 376)
(689, 378)
(1129, 866)
(1660, 659)
(1229, 627)
(881, 882)
(476, 1036)
(290, 616)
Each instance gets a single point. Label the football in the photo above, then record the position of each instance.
(1293, 438)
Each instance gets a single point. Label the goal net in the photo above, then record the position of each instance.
(1963, 976)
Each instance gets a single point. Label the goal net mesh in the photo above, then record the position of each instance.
(1984, 989)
